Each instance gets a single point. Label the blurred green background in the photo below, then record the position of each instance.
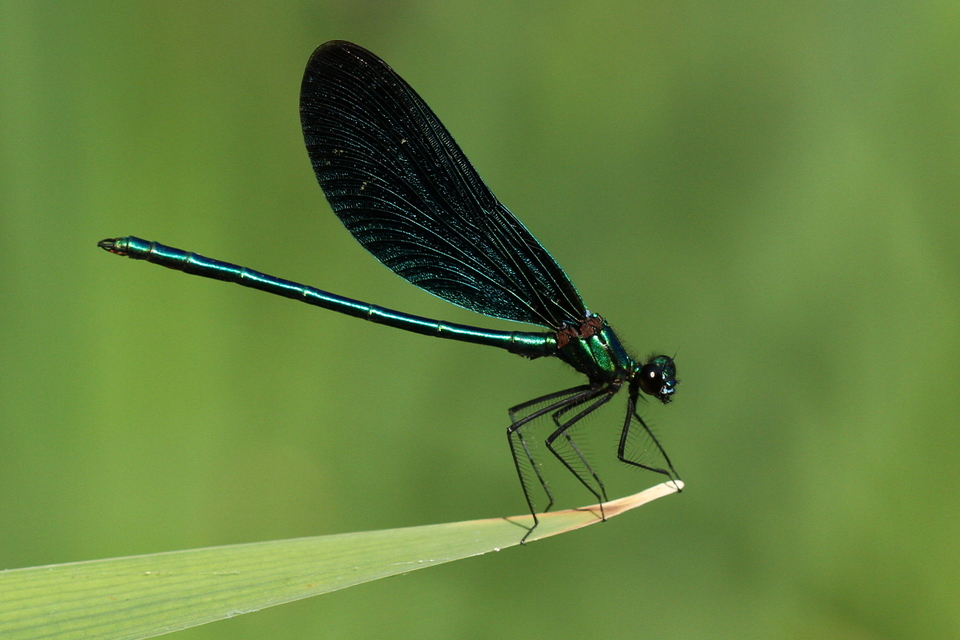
(770, 188)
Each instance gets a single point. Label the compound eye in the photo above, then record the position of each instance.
(651, 379)
(657, 378)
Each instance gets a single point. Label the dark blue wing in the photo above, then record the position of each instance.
(406, 192)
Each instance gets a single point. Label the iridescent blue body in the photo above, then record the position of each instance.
(592, 349)
(403, 188)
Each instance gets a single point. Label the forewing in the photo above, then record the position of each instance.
(401, 185)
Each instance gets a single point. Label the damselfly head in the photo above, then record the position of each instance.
(657, 378)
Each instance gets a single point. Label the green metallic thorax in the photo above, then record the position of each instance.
(595, 351)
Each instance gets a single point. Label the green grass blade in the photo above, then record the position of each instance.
(145, 596)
